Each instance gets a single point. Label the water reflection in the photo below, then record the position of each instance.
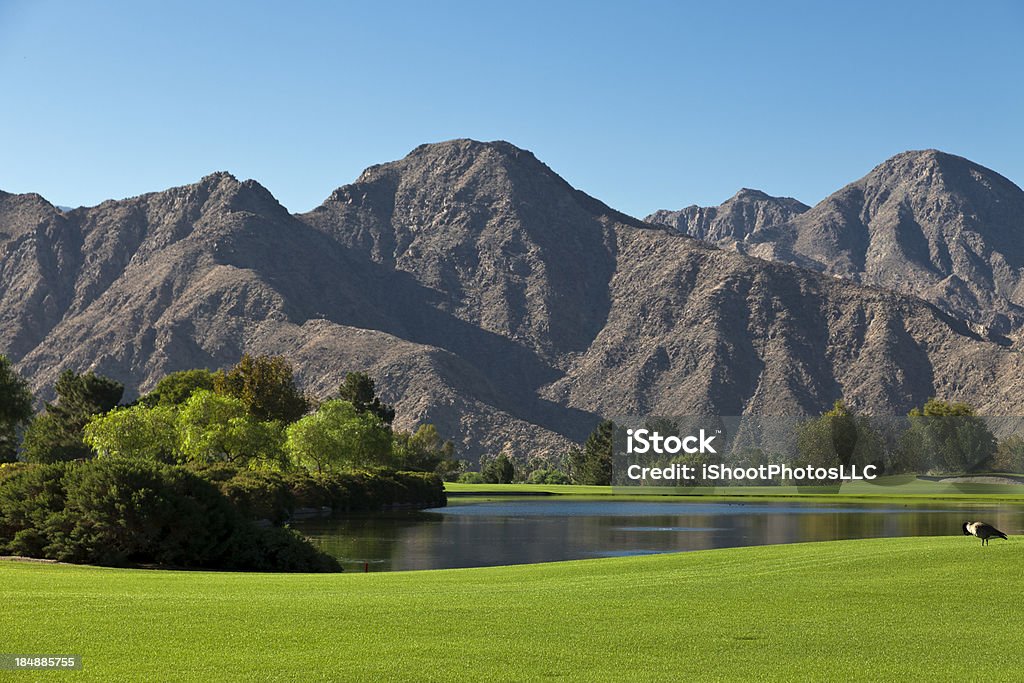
(523, 531)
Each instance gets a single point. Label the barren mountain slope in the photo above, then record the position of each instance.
(482, 292)
(924, 223)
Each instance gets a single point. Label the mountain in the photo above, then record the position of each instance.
(743, 214)
(923, 223)
(482, 292)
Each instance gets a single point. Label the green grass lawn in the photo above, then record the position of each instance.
(907, 490)
(935, 608)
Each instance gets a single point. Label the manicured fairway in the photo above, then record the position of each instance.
(937, 608)
(901, 489)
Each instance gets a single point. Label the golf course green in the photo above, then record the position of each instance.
(924, 608)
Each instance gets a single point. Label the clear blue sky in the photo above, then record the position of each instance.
(645, 105)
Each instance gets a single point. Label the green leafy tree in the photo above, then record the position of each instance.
(1010, 455)
(15, 409)
(500, 470)
(593, 464)
(424, 450)
(361, 391)
(135, 432)
(575, 463)
(56, 435)
(838, 437)
(177, 387)
(338, 437)
(266, 386)
(950, 436)
(213, 428)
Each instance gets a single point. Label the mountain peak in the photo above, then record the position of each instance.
(923, 222)
(458, 156)
(472, 147)
(935, 167)
(223, 188)
(460, 174)
(746, 212)
(747, 194)
(218, 177)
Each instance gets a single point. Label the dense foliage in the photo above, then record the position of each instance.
(180, 476)
(266, 387)
(500, 470)
(177, 387)
(15, 409)
(206, 428)
(359, 390)
(121, 512)
(57, 434)
(338, 437)
(593, 464)
(279, 496)
(949, 437)
(839, 437)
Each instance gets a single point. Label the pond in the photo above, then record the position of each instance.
(500, 532)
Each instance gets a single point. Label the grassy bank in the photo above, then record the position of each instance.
(904, 489)
(869, 609)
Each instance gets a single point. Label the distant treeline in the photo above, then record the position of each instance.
(939, 438)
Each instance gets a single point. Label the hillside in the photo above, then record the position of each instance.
(484, 294)
(923, 223)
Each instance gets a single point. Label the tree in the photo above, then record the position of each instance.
(839, 437)
(338, 437)
(177, 387)
(575, 464)
(1010, 455)
(956, 439)
(15, 409)
(361, 391)
(135, 432)
(266, 386)
(213, 428)
(501, 470)
(57, 434)
(593, 464)
(424, 450)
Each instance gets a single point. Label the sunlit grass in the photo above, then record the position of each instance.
(936, 608)
(906, 489)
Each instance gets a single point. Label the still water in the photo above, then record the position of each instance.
(487, 533)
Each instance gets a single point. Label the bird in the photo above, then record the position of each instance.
(982, 531)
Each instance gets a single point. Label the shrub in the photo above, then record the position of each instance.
(120, 512)
(260, 494)
(547, 476)
(471, 478)
(501, 470)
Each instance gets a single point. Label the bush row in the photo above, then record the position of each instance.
(119, 512)
(277, 496)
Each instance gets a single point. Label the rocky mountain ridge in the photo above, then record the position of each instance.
(485, 295)
(924, 223)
